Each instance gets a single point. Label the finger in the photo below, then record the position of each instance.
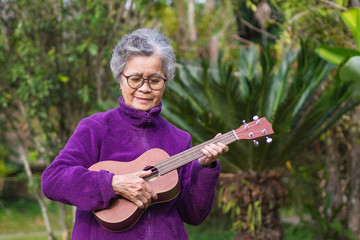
(218, 135)
(147, 197)
(141, 200)
(147, 200)
(143, 174)
(213, 149)
(223, 147)
(216, 148)
(206, 152)
(202, 159)
(139, 203)
(151, 192)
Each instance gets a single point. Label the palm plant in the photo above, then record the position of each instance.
(295, 94)
(300, 94)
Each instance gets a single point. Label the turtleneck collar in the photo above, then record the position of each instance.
(139, 118)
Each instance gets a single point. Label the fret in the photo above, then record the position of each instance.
(180, 159)
(252, 130)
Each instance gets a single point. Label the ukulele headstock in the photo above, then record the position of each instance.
(260, 127)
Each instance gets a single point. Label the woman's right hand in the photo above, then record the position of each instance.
(134, 188)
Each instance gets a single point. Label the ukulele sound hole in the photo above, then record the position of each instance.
(154, 174)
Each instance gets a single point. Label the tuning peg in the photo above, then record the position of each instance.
(256, 143)
(255, 118)
(268, 140)
(246, 126)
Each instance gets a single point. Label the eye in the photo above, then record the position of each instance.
(155, 80)
(135, 78)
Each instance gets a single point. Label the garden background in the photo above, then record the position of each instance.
(295, 62)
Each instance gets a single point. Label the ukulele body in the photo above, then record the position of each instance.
(122, 213)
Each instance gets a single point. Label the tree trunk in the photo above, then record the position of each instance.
(64, 229)
(99, 79)
(214, 41)
(333, 160)
(191, 21)
(354, 3)
(263, 15)
(22, 152)
(354, 199)
(181, 37)
(214, 50)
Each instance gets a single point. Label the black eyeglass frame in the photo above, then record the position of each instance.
(143, 81)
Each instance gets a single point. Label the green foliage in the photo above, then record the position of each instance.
(312, 203)
(230, 207)
(206, 101)
(55, 65)
(299, 232)
(319, 21)
(350, 73)
(249, 21)
(352, 19)
(4, 168)
(55, 70)
(349, 58)
(327, 227)
(336, 55)
(253, 219)
(24, 216)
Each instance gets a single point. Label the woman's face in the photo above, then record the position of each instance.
(143, 98)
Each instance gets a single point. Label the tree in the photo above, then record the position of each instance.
(348, 60)
(54, 57)
(207, 101)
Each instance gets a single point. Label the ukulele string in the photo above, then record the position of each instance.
(191, 154)
(180, 159)
(176, 161)
(260, 131)
(195, 152)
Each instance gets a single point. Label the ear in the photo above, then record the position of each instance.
(120, 82)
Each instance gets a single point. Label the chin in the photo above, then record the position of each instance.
(142, 107)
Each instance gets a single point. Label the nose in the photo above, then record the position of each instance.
(145, 87)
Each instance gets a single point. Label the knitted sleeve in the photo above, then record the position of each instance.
(198, 185)
(68, 179)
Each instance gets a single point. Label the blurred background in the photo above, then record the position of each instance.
(297, 63)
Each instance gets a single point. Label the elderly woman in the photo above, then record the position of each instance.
(142, 63)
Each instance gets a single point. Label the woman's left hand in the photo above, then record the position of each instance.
(212, 152)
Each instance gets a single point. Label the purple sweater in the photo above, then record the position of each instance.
(123, 134)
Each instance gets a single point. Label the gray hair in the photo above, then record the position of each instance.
(143, 42)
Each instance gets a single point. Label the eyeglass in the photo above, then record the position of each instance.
(135, 81)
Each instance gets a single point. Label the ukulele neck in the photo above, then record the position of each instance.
(180, 159)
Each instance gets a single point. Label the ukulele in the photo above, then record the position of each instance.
(122, 213)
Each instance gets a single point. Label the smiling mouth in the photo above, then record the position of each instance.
(143, 99)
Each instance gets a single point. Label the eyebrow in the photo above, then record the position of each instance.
(151, 75)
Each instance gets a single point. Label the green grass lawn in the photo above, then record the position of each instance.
(24, 216)
(21, 215)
